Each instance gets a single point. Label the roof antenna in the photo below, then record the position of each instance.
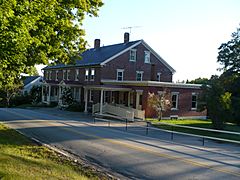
(130, 28)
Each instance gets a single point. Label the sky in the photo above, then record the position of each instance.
(185, 33)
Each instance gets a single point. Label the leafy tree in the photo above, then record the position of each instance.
(160, 102)
(36, 94)
(198, 81)
(67, 97)
(39, 32)
(229, 54)
(8, 91)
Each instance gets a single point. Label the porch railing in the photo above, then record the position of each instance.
(114, 110)
(137, 113)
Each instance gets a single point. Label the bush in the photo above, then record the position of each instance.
(76, 107)
(20, 100)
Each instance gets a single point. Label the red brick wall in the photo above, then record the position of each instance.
(122, 62)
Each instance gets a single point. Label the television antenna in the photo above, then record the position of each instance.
(131, 27)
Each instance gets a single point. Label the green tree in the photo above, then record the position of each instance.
(67, 97)
(160, 102)
(198, 81)
(39, 32)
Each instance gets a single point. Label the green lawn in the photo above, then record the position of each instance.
(198, 123)
(20, 158)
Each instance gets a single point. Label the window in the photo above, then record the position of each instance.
(47, 74)
(92, 74)
(64, 74)
(146, 56)
(139, 75)
(50, 75)
(68, 74)
(56, 79)
(76, 74)
(120, 74)
(174, 101)
(133, 55)
(194, 101)
(159, 76)
(86, 74)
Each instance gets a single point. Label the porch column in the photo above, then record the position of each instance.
(137, 100)
(85, 99)
(49, 94)
(42, 93)
(101, 101)
(129, 98)
(80, 94)
(59, 95)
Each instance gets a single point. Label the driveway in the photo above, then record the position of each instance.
(129, 154)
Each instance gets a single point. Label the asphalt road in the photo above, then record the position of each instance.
(129, 154)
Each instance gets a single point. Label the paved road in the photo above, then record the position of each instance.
(130, 154)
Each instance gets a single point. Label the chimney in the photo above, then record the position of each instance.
(96, 43)
(126, 37)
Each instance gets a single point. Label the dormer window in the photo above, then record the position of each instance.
(139, 75)
(92, 74)
(77, 75)
(133, 55)
(147, 56)
(86, 74)
(120, 74)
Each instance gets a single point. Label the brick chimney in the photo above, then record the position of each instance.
(126, 37)
(96, 43)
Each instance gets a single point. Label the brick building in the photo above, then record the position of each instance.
(117, 78)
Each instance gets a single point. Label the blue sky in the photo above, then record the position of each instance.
(185, 33)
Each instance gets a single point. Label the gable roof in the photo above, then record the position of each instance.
(104, 54)
(96, 56)
(29, 79)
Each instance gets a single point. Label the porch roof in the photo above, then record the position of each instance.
(107, 88)
(151, 83)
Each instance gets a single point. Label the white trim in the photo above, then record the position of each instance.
(194, 94)
(135, 51)
(147, 54)
(159, 75)
(158, 56)
(120, 53)
(152, 83)
(56, 73)
(76, 74)
(122, 71)
(139, 72)
(86, 74)
(177, 99)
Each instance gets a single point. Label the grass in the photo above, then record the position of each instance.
(20, 158)
(198, 123)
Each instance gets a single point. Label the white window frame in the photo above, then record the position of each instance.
(76, 74)
(86, 75)
(159, 76)
(177, 100)
(139, 72)
(194, 108)
(56, 73)
(50, 75)
(68, 74)
(47, 75)
(64, 71)
(134, 51)
(121, 71)
(147, 56)
(92, 75)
